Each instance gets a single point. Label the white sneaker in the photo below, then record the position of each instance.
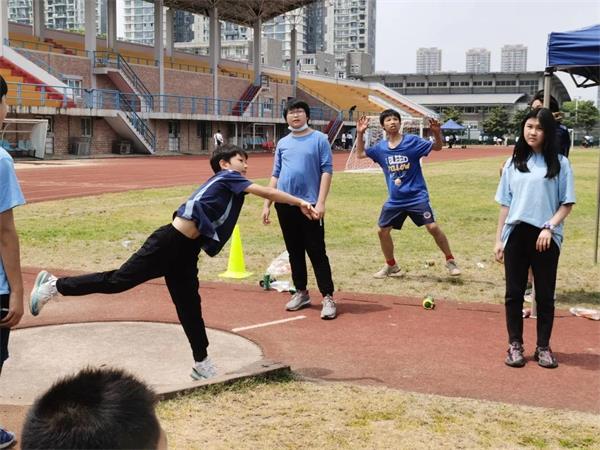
(44, 290)
(388, 271)
(452, 267)
(329, 310)
(203, 369)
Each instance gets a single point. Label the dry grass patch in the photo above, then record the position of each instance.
(303, 415)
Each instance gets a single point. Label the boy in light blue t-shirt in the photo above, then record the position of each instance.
(11, 281)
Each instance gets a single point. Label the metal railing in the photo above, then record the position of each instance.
(141, 125)
(40, 62)
(115, 60)
(173, 104)
(28, 94)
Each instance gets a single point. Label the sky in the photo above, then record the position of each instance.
(456, 26)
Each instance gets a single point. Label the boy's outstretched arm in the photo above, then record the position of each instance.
(275, 195)
(436, 131)
(361, 126)
(10, 254)
(267, 206)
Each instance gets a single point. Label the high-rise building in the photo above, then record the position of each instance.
(350, 27)
(60, 14)
(138, 21)
(183, 22)
(514, 58)
(281, 27)
(429, 60)
(20, 11)
(478, 60)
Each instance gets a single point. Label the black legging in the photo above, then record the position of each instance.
(304, 235)
(519, 255)
(166, 253)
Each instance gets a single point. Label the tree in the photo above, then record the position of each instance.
(580, 115)
(497, 122)
(453, 113)
(516, 120)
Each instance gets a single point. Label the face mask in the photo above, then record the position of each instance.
(300, 129)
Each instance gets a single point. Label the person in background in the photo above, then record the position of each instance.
(303, 166)
(536, 193)
(11, 279)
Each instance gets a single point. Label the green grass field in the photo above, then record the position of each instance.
(100, 232)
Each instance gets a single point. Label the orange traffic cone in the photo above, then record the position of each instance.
(236, 267)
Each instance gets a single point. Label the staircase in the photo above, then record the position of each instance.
(27, 90)
(124, 77)
(247, 97)
(128, 124)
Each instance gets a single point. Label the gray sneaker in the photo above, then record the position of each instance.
(44, 290)
(514, 357)
(203, 369)
(388, 271)
(452, 267)
(329, 310)
(298, 301)
(545, 357)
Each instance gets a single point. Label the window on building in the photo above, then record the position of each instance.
(86, 127)
(174, 128)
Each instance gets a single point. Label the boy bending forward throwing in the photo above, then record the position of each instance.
(204, 222)
(399, 156)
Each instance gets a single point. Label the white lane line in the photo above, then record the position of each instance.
(266, 324)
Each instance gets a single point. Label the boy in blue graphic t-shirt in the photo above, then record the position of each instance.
(204, 222)
(399, 156)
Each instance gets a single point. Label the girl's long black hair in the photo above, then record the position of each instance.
(523, 150)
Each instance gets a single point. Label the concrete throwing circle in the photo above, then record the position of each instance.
(157, 353)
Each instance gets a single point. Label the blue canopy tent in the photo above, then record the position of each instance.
(578, 53)
(451, 125)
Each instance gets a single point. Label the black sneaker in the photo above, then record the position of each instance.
(514, 357)
(545, 358)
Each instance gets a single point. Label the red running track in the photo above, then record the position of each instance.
(455, 350)
(57, 179)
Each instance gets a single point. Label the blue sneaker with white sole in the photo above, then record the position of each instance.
(44, 290)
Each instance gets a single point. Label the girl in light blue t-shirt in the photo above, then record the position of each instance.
(535, 194)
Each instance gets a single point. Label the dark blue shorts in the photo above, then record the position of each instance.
(420, 214)
(4, 332)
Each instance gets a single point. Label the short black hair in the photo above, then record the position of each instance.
(539, 95)
(3, 88)
(295, 103)
(225, 152)
(388, 113)
(96, 408)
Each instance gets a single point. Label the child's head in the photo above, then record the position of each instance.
(538, 102)
(3, 94)
(225, 153)
(96, 408)
(540, 120)
(387, 114)
(296, 113)
(538, 134)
